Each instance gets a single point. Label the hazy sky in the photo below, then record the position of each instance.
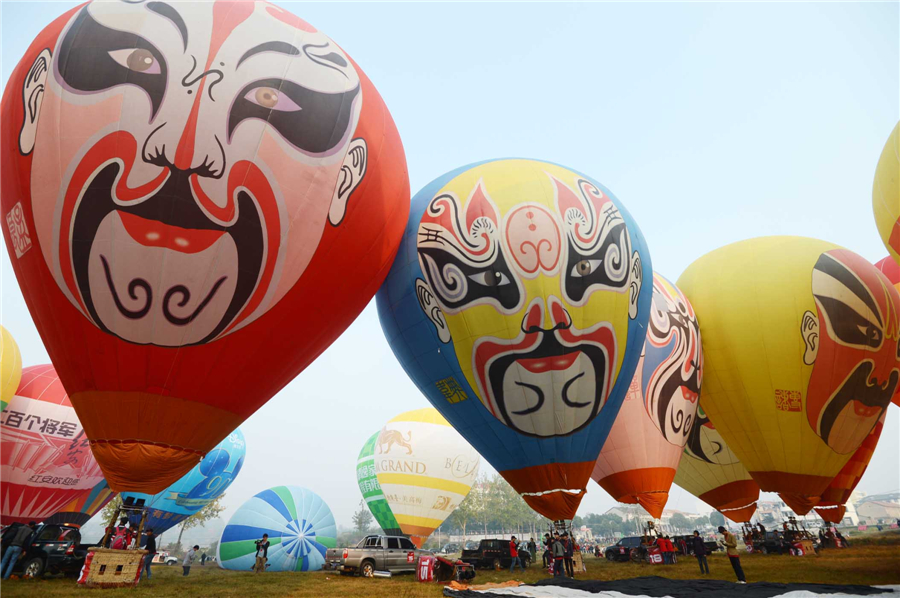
(711, 122)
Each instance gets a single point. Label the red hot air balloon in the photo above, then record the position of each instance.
(45, 458)
(199, 198)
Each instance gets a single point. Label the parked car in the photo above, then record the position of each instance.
(54, 548)
(494, 554)
(449, 548)
(470, 545)
(622, 550)
(396, 554)
(681, 542)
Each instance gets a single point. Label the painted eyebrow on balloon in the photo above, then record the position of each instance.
(832, 267)
(168, 12)
(280, 47)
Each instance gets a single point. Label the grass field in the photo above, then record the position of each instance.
(875, 560)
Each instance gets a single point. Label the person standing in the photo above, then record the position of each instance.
(188, 559)
(532, 549)
(262, 554)
(733, 556)
(570, 553)
(14, 551)
(559, 553)
(699, 547)
(548, 550)
(514, 555)
(150, 547)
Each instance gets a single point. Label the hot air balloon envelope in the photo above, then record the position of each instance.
(200, 197)
(10, 367)
(46, 458)
(712, 472)
(371, 489)
(425, 469)
(200, 486)
(299, 524)
(641, 453)
(800, 342)
(518, 305)
(886, 194)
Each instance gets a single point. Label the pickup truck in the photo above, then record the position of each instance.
(396, 554)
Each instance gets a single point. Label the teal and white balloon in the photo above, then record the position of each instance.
(299, 524)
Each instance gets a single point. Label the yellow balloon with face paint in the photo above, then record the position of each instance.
(886, 194)
(800, 341)
(537, 285)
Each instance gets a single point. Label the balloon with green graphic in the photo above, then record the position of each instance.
(299, 524)
(371, 489)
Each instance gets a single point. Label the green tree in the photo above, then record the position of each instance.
(109, 510)
(716, 519)
(362, 519)
(464, 513)
(199, 519)
(679, 522)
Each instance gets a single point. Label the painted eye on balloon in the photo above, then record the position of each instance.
(584, 268)
(139, 60)
(272, 99)
(489, 278)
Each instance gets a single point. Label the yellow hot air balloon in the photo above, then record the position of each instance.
(10, 367)
(712, 472)
(886, 194)
(425, 469)
(800, 346)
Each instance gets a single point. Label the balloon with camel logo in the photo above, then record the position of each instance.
(425, 469)
(800, 344)
(371, 490)
(638, 461)
(206, 482)
(10, 367)
(198, 198)
(518, 304)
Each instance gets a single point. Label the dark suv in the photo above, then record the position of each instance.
(621, 550)
(54, 548)
(494, 554)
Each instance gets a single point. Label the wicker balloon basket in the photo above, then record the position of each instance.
(108, 568)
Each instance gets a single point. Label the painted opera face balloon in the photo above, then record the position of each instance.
(203, 152)
(672, 369)
(522, 278)
(852, 344)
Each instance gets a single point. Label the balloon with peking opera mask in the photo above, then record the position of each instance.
(641, 453)
(518, 304)
(886, 194)
(10, 367)
(199, 197)
(45, 458)
(800, 344)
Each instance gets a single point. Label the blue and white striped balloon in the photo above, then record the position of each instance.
(299, 524)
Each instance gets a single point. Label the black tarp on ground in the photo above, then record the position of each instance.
(659, 587)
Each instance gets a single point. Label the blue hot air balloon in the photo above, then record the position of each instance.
(518, 304)
(207, 481)
(299, 524)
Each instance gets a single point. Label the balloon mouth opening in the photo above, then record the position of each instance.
(162, 256)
